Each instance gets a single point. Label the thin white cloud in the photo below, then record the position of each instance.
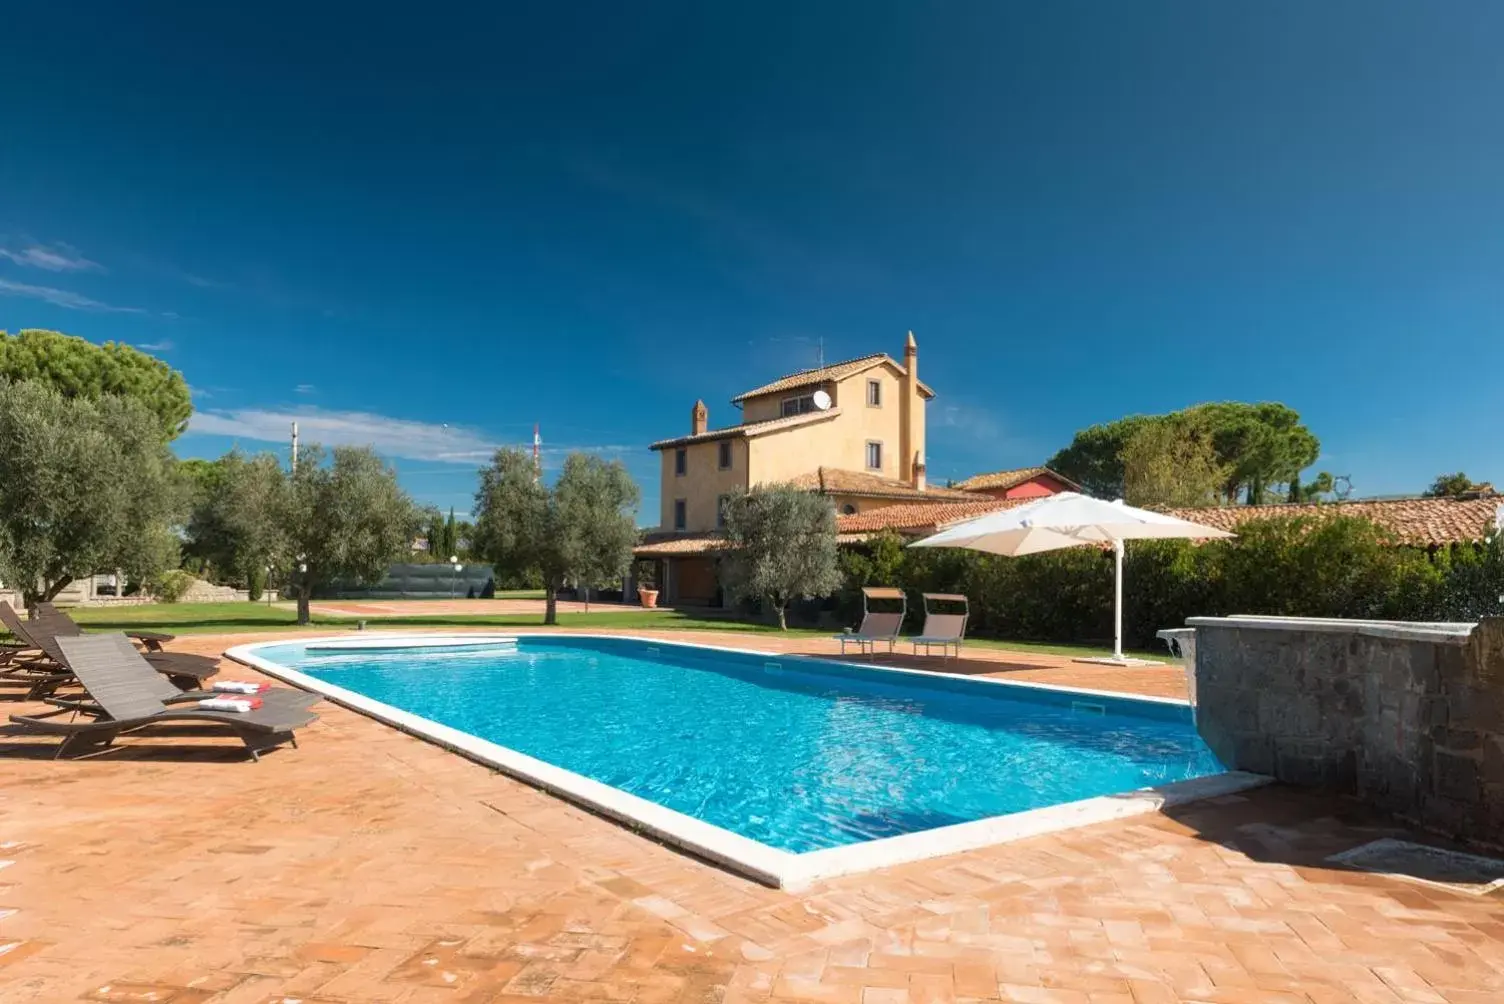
(305, 388)
(398, 437)
(165, 345)
(50, 257)
(394, 437)
(968, 420)
(62, 298)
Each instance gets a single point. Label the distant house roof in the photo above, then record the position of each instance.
(834, 481)
(1012, 479)
(749, 429)
(1419, 521)
(820, 374)
(920, 517)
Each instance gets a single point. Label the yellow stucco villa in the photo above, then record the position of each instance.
(853, 431)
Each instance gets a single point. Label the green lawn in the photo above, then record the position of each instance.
(230, 618)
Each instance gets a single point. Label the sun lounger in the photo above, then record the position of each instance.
(163, 689)
(877, 627)
(122, 684)
(26, 661)
(151, 641)
(47, 669)
(942, 630)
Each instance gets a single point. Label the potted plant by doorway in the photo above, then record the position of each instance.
(647, 583)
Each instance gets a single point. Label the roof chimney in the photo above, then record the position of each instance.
(699, 418)
(910, 412)
(919, 482)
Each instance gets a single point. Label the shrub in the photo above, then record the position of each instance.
(170, 586)
(1340, 567)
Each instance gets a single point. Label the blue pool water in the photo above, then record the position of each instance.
(797, 754)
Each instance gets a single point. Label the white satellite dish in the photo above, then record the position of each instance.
(822, 400)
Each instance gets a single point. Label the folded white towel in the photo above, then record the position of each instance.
(240, 687)
(237, 704)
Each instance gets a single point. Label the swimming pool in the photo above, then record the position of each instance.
(805, 766)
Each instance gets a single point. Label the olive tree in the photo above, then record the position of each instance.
(86, 485)
(237, 523)
(594, 503)
(75, 367)
(781, 545)
(581, 530)
(344, 521)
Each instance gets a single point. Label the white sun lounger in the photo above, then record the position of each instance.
(877, 627)
(941, 630)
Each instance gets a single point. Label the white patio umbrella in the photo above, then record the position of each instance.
(1070, 519)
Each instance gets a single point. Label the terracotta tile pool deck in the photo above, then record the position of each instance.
(369, 866)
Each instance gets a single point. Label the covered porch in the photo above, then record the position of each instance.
(685, 568)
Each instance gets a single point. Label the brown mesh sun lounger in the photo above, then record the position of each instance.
(163, 689)
(151, 641)
(47, 669)
(122, 684)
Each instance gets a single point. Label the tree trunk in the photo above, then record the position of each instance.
(303, 606)
(550, 603)
(586, 591)
(783, 624)
(53, 588)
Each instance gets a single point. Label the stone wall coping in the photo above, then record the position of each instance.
(1442, 633)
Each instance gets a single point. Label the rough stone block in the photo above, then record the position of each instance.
(1493, 760)
(1253, 753)
(1455, 740)
(1457, 777)
(1445, 814)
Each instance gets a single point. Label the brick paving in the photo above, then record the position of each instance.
(369, 866)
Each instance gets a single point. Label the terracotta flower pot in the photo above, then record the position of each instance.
(647, 597)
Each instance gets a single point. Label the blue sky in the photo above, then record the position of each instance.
(428, 228)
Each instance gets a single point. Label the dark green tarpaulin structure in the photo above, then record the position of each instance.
(418, 582)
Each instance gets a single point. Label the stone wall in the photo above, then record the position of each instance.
(1409, 717)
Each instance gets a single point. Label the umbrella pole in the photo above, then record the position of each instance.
(1117, 600)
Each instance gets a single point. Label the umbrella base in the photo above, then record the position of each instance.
(1108, 660)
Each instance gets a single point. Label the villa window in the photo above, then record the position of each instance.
(797, 405)
(681, 519)
(874, 456)
(720, 510)
(848, 509)
(681, 462)
(725, 457)
(874, 394)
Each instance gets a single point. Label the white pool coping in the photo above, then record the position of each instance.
(768, 865)
(345, 643)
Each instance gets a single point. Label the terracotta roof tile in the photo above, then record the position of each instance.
(834, 481)
(920, 516)
(659, 544)
(1418, 521)
(748, 429)
(822, 374)
(1012, 479)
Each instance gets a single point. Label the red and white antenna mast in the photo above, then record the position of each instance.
(537, 455)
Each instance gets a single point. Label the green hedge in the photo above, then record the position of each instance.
(1339, 567)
